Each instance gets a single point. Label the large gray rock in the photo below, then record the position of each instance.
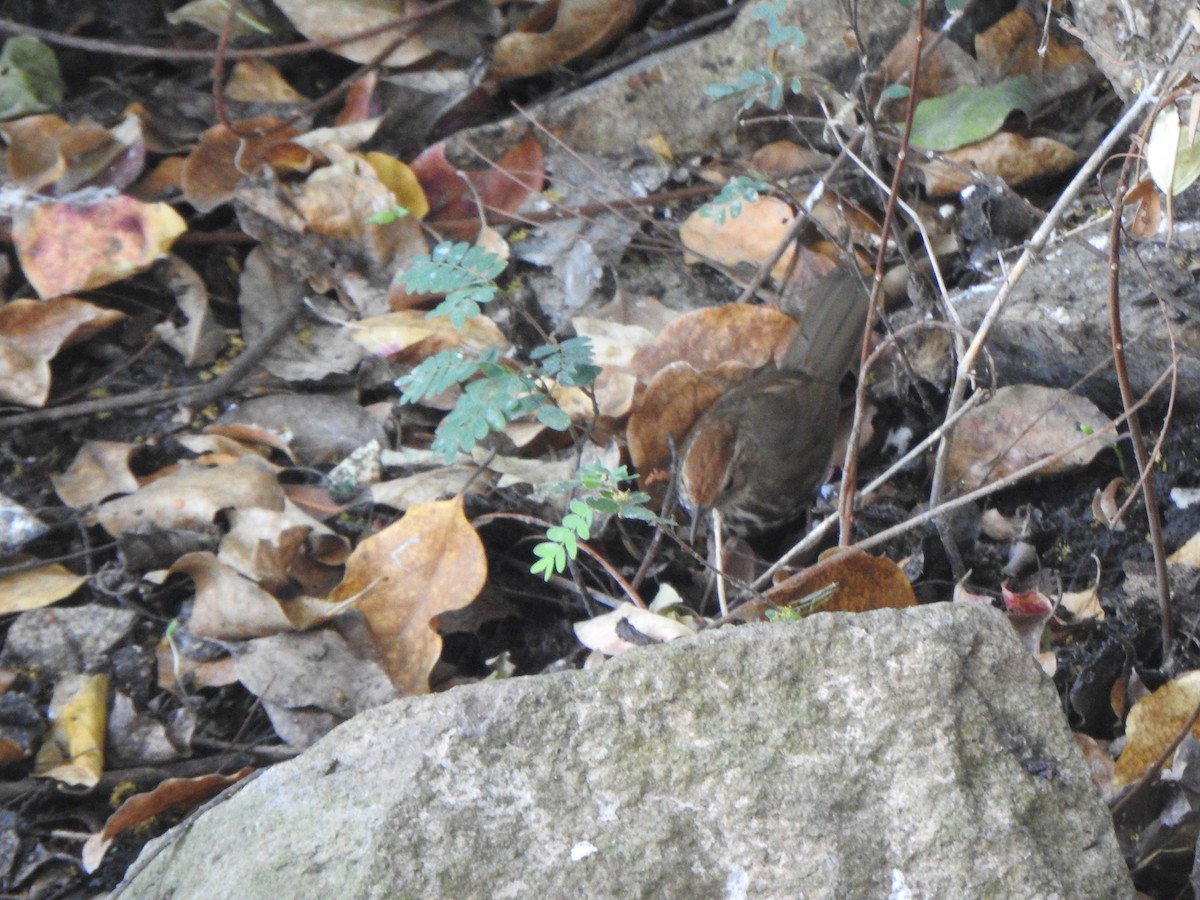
(891, 754)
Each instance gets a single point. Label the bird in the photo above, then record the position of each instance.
(756, 457)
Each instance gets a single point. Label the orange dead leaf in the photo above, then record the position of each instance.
(707, 338)
(749, 237)
(215, 167)
(66, 247)
(429, 562)
(863, 582)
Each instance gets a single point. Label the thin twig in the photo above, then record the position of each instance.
(1149, 498)
(198, 395)
(850, 464)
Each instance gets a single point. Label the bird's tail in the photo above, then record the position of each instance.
(830, 326)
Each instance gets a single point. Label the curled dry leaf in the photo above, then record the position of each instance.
(309, 682)
(35, 588)
(257, 81)
(503, 186)
(230, 607)
(191, 497)
(33, 332)
(327, 20)
(604, 632)
(428, 562)
(213, 169)
(411, 336)
(180, 794)
(99, 470)
(201, 339)
(580, 28)
(47, 150)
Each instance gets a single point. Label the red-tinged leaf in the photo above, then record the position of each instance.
(67, 247)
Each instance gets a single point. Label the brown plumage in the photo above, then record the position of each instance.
(760, 451)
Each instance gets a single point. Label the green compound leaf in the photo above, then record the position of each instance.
(970, 114)
(464, 273)
(438, 373)
(552, 558)
(553, 417)
(568, 362)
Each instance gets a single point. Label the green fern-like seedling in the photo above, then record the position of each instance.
(466, 274)
(568, 362)
(438, 373)
(777, 33)
(494, 394)
(605, 496)
(728, 203)
(754, 83)
(562, 541)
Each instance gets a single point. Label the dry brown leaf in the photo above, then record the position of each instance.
(99, 470)
(502, 186)
(180, 794)
(325, 20)
(410, 336)
(1014, 158)
(428, 562)
(35, 588)
(33, 332)
(1020, 425)
(46, 150)
(602, 632)
(580, 28)
(65, 247)
(945, 67)
(201, 338)
(1153, 724)
(708, 338)
(230, 607)
(213, 169)
(191, 497)
(863, 583)
(750, 237)
(787, 159)
(257, 81)
(1018, 45)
